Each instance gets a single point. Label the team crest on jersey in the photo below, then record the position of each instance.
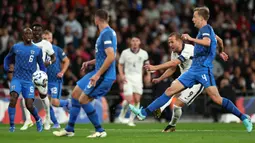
(32, 52)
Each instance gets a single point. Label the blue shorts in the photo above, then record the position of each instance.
(199, 75)
(22, 86)
(55, 89)
(102, 87)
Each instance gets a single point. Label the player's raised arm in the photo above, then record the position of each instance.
(40, 61)
(169, 64)
(169, 72)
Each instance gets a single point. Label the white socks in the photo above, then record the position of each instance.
(46, 105)
(27, 113)
(132, 115)
(177, 112)
(124, 109)
(162, 108)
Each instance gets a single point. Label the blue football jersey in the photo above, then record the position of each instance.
(55, 68)
(106, 39)
(26, 59)
(204, 56)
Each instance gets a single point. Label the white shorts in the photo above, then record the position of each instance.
(190, 94)
(130, 88)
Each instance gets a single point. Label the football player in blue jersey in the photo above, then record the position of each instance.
(199, 72)
(55, 74)
(26, 55)
(96, 83)
(47, 51)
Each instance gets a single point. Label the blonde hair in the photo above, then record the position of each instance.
(203, 11)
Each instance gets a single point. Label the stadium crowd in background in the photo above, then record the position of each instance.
(71, 22)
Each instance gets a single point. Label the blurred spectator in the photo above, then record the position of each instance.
(76, 29)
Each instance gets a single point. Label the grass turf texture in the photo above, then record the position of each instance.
(142, 133)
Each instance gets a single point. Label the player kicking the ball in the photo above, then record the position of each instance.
(180, 51)
(27, 56)
(132, 60)
(199, 72)
(96, 83)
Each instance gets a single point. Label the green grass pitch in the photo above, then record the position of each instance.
(142, 133)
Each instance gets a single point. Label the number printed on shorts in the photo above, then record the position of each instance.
(54, 90)
(191, 93)
(204, 77)
(31, 89)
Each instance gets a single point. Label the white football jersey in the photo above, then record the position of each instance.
(133, 64)
(186, 56)
(47, 49)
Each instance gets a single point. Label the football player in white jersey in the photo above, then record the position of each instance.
(130, 67)
(48, 53)
(182, 55)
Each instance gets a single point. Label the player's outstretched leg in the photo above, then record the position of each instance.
(28, 122)
(34, 113)
(74, 112)
(54, 119)
(93, 117)
(12, 110)
(212, 91)
(141, 113)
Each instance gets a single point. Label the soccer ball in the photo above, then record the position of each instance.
(40, 78)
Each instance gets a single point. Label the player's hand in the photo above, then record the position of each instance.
(84, 66)
(123, 79)
(156, 80)
(150, 67)
(186, 37)
(94, 79)
(224, 56)
(60, 74)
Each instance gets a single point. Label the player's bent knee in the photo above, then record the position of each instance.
(169, 91)
(84, 99)
(76, 92)
(13, 99)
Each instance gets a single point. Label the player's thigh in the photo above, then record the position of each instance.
(84, 81)
(213, 93)
(205, 77)
(188, 95)
(54, 90)
(15, 86)
(127, 89)
(28, 89)
(187, 79)
(101, 88)
(175, 88)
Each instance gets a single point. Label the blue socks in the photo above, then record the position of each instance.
(160, 101)
(74, 112)
(11, 112)
(63, 103)
(52, 116)
(230, 106)
(93, 117)
(35, 114)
